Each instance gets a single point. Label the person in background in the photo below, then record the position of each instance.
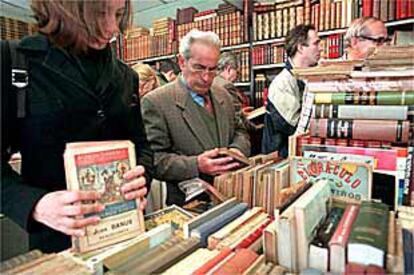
(363, 34)
(188, 119)
(168, 72)
(148, 80)
(78, 91)
(285, 91)
(227, 74)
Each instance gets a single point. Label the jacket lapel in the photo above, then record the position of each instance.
(195, 124)
(222, 124)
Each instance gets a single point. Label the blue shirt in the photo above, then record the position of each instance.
(198, 99)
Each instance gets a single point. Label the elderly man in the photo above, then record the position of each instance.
(187, 120)
(364, 33)
(285, 91)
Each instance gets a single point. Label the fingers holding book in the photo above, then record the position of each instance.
(59, 210)
(135, 188)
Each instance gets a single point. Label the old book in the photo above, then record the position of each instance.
(164, 258)
(383, 130)
(253, 268)
(207, 266)
(310, 209)
(368, 240)
(225, 152)
(339, 240)
(208, 215)
(376, 112)
(346, 179)
(319, 248)
(100, 166)
(213, 225)
(241, 261)
(366, 98)
(232, 227)
(173, 214)
(20, 260)
(192, 262)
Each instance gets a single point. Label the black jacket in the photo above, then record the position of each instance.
(63, 106)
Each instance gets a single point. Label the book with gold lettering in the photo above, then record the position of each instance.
(100, 166)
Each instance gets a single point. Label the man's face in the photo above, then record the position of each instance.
(201, 68)
(232, 74)
(312, 51)
(375, 36)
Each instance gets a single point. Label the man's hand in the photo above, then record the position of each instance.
(209, 163)
(58, 210)
(135, 188)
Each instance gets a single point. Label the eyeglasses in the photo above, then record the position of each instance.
(198, 68)
(376, 40)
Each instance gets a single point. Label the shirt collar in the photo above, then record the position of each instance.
(198, 99)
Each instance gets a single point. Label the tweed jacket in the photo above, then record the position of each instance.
(178, 135)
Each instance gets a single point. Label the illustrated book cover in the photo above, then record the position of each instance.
(100, 166)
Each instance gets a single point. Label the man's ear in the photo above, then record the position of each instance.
(181, 62)
(300, 48)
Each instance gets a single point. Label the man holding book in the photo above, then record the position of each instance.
(187, 120)
(363, 34)
(285, 92)
(77, 91)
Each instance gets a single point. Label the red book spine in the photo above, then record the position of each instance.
(367, 7)
(253, 236)
(213, 262)
(239, 263)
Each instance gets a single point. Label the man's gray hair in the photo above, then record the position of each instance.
(227, 59)
(358, 27)
(195, 35)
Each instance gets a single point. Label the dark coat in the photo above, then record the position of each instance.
(62, 107)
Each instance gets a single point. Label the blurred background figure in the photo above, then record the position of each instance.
(169, 70)
(148, 80)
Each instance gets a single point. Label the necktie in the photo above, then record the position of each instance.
(207, 103)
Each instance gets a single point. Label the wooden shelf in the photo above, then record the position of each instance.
(400, 22)
(235, 47)
(269, 41)
(151, 59)
(268, 66)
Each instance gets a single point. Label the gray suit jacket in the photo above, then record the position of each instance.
(178, 135)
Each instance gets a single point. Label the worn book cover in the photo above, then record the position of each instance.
(100, 166)
(346, 179)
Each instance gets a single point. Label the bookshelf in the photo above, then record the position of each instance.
(260, 28)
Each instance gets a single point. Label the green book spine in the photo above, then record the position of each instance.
(367, 98)
(371, 225)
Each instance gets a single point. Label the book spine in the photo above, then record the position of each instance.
(384, 130)
(365, 98)
(360, 112)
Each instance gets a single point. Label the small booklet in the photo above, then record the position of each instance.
(225, 152)
(100, 166)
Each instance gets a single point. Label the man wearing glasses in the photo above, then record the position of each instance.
(188, 119)
(364, 33)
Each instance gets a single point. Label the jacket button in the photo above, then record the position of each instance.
(100, 113)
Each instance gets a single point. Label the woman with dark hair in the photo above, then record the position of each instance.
(78, 91)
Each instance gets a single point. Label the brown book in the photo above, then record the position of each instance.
(242, 160)
(383, 130)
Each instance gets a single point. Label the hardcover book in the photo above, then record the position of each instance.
(368, 240)
(100, 166)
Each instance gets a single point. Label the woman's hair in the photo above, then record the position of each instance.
(227, 59)
(74, 23)
(146, 73)
(195, 35)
